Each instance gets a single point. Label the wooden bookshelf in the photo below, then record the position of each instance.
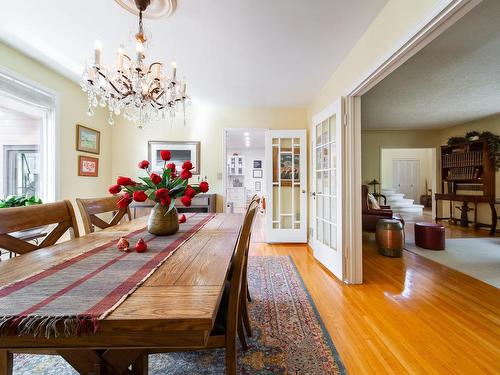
(466, 169)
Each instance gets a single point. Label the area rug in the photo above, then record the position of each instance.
(476, 257)
(289, 335)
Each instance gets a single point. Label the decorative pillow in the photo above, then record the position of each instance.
(372, 203)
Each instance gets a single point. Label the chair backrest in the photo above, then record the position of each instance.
(90, 208)
(237, 274)
(18, 219)
(364, 198)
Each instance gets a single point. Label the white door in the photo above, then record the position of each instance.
(286, 177)
(406, 178)
(326, 199)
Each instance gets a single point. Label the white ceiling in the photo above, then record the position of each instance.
(233, 52)
(236, 138)
(455, 79)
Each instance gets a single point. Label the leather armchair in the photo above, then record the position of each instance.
(371, 216)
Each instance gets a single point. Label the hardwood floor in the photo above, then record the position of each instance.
(411, 315)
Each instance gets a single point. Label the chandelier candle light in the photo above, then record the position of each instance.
(142, 93)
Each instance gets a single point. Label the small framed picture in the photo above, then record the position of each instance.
(88, 166)
(257, 164)
(257, 185)
(181, 152)
(257, 173)
(87, 139)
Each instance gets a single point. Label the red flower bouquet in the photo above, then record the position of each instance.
(162, 188)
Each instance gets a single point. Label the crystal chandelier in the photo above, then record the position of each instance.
(142, 93)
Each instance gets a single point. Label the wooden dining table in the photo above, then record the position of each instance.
(175, 307)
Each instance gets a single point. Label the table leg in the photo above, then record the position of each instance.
(141, 365)
(6, 362)
(494, 219)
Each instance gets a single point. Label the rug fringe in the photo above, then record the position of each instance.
(43, 326)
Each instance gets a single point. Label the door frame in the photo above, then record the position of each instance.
(444, 15)
(317, 247)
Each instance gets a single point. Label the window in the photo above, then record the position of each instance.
(27, 139)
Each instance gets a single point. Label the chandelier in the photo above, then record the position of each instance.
(143, 93)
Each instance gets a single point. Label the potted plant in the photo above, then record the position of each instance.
(163, 189)
(19, 201)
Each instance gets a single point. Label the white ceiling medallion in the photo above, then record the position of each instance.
(157, 8)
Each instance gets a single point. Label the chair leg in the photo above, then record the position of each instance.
(231, 359)
(246, 319)
(241, 335)
(249, 298)
(6, 362)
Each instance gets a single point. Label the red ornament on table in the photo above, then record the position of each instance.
(141, 246)
(182, 219)
(123, 244)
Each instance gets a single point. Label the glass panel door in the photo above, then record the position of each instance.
(286, 160)
(326, 198)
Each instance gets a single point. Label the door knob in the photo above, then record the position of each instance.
(313, 194)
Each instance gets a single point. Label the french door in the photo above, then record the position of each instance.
(326, 198)
(286, 216)
(405, 178)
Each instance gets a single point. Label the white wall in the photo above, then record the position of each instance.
(251, 154)
(423, 155)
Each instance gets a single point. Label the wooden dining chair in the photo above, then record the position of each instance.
(223, 334)
(90, 208)
(17, 219)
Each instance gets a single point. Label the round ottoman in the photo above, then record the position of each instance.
(429, 236)
(390, 237)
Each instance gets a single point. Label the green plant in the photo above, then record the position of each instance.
(19, 201)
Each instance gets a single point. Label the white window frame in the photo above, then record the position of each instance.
(49, 142)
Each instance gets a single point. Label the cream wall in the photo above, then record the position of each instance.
(73, 105)
(205, 124)
(423, 155)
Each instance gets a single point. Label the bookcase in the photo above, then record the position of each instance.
(466, 169)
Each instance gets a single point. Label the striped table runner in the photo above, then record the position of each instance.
(74, 295)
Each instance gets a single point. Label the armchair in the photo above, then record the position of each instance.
(371, 216)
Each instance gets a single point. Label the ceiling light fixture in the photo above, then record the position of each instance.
(143, 93)
(246, 134)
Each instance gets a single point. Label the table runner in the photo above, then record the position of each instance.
(75, 294)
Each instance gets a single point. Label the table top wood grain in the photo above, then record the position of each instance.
(175, 307)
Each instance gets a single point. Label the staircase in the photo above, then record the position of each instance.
(400, 204)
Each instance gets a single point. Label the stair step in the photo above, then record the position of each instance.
(413, 209)
(401, 200)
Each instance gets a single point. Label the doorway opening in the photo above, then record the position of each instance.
(244, 174)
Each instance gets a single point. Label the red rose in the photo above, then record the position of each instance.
(185, 174)
(171, 166)
(140, 196)
(203, 186)
(187, 165)
(114, 189)
(165, 155)
(143, 164)
(124, 201)
(124, 181)
(155, 178)
(182, 219)
(165, 201)
(186, 201)
(161, 193)
(190, 192)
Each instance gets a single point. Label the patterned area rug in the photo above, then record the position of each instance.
(289, 335)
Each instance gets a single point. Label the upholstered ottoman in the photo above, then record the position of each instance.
(390, 237)
(430, 236)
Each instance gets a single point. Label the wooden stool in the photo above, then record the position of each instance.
(390, 237)
(430, 236)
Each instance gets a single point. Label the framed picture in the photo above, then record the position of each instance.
(87, 139)
(257, 164)
(88, 166)
(257, 173)
(181, 152)
(286, 167)
(257, 185)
